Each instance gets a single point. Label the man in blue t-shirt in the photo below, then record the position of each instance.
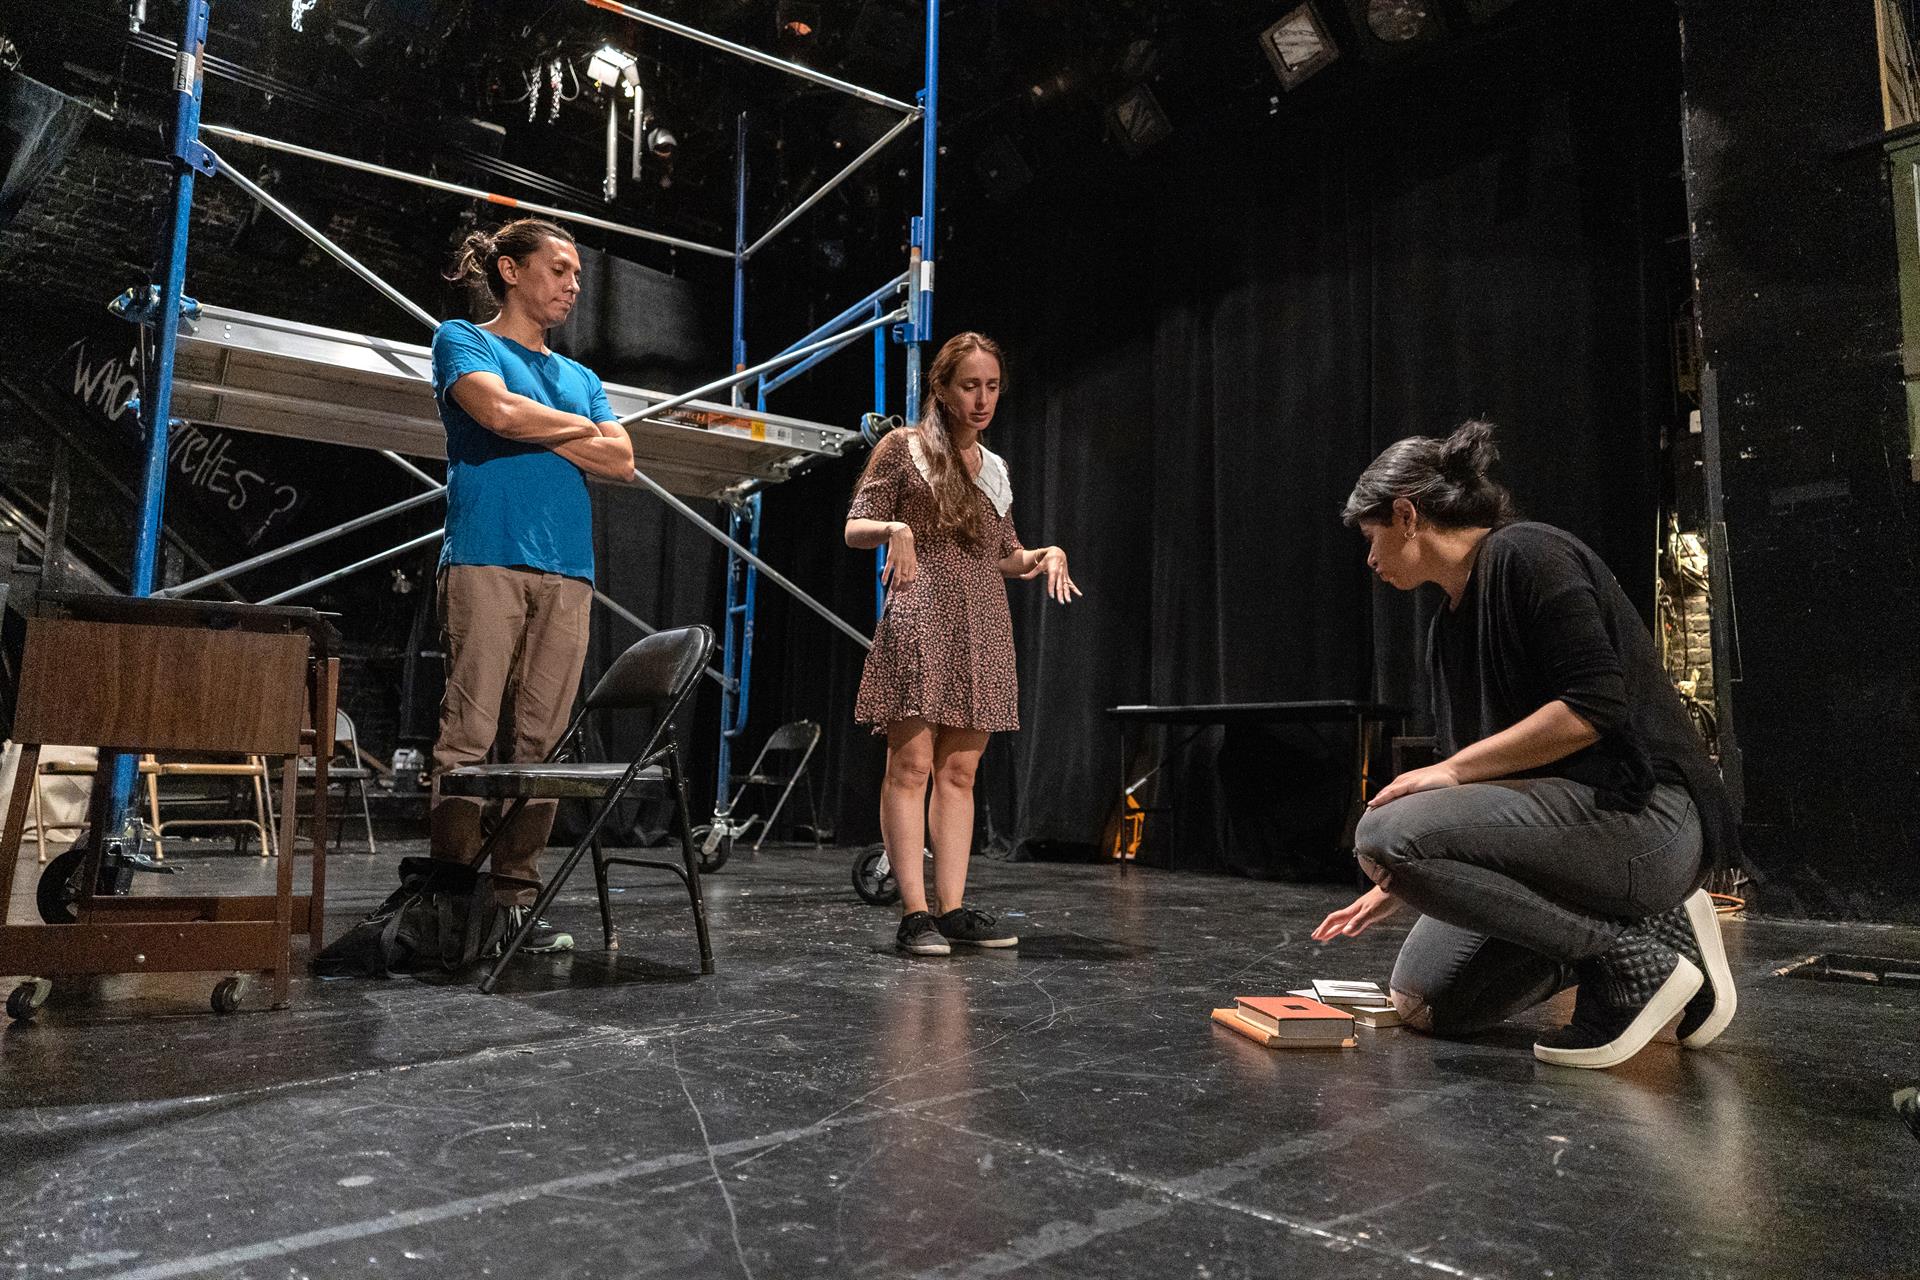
(525, 427)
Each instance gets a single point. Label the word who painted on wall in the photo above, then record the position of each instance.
(212, 464)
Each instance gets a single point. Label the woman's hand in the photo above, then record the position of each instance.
(1053, 563)
(903, 566)
(1431, 778)
(1367, 910)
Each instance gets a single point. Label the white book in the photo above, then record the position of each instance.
(1377, 1012)
(1342, 991)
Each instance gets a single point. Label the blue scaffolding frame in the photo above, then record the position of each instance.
(908, 325)
(837, 334)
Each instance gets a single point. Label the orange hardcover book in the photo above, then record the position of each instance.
(1296, 1018)
(1232, 1021)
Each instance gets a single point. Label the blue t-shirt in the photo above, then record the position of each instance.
(509, 502)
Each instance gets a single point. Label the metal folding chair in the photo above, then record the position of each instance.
(347, 768)
(250, 771)
(802, 736)
(656, 675)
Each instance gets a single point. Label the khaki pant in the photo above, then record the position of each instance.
(515, 640)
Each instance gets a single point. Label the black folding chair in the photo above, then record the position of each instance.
(655, 675)
(801, 737)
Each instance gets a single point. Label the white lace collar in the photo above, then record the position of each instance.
(992, 480)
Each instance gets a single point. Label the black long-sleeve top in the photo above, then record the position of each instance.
(1542, 619)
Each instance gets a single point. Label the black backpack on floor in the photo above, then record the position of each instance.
(441, 917)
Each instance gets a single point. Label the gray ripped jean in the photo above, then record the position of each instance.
(1515, 882)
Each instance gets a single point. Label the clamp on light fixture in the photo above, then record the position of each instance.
(611, 69)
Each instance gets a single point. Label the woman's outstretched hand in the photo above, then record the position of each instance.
(1053, 563)
(1431, 778)
(1367, 910)
(903, 566)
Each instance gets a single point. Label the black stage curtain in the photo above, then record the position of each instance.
(1209, 345)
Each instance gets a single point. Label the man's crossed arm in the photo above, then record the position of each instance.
(598, 448)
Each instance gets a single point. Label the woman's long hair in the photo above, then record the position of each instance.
(478, 263)
(1445, 480)
(958, 512)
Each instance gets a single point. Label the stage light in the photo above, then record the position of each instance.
(1392, 28)
(660, 140)
(1397, 21)
(1298, 46)
(1002, 169)
(1138, 122)
(797, 30)
(612, 68)
(609, 67)
(798, 20)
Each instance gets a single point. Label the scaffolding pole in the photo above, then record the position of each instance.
(302, 544)
(827, 187)
(869, 304)
(749, 53)
(454, 188)
(325, 243)
(188, 158)
(735, 379)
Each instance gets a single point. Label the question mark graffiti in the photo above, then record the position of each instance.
(289, 499)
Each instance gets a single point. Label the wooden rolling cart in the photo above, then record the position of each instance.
(177, 678)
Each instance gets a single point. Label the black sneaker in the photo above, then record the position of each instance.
(975, 928)
(1693, 930)
(543, 940)
(1627, 993)
(918, 936)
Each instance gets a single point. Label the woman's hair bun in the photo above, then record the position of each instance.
(1469, 453)
(1445, 479)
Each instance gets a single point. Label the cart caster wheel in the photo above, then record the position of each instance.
(881, 890)
(228, 993)
(714, 858)
(25, 1000)
(62, 885)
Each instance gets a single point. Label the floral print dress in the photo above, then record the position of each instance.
(944, 649)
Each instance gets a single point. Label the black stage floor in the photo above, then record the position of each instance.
(823, 1107)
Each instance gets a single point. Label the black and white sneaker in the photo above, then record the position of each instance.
(975, 928)
(1693, 930)
(1627, 993)
(543, 940)
(919, 937)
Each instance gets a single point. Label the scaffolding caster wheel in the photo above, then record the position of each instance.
(25, 1000)
(228, 993)
(873, 878)
(713, 847)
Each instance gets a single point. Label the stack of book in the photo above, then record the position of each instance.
(1288, 1022)
(1369, 1005)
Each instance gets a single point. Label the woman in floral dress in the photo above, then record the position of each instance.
(940, 677)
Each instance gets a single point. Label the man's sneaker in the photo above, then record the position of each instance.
(918, 936)
(1693, 930)
(543, 940)
(975, 928)
(1627, 993)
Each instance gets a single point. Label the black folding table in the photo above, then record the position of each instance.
(1367, 719)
